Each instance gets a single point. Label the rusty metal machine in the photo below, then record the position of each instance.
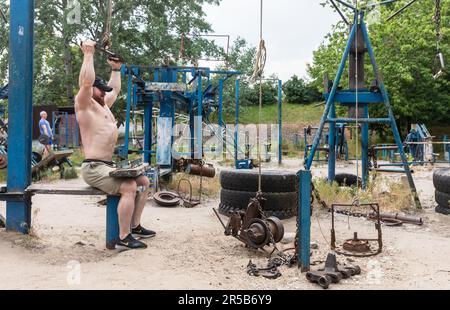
(252, 227)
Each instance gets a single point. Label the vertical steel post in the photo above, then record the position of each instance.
(148, 123)
(20, 105)
(330, 100)
(112, 222)
(236, 123)
(365, 147)
(220, 117)
(199, 122)
(332, 146)
(124, 151)
(304, 219)
(280, 122)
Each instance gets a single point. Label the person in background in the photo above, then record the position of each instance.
(46, 137)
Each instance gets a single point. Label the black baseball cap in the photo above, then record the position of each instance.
(102, 85)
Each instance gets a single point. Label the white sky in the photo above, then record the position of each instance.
(293, 29)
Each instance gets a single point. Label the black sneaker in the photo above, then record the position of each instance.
(130, 243)
(141, 232)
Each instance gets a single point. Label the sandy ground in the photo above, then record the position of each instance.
(191, 251)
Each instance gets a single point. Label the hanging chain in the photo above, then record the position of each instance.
(437, 20)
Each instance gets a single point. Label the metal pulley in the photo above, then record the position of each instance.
(258, 232)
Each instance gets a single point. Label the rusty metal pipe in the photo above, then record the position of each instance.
(403, 218)
(206, 171)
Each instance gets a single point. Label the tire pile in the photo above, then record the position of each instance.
(278, 187)
(441, 180)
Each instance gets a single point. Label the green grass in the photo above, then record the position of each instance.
(292, 114)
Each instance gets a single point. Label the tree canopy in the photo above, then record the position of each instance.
(142, 31)
(405, 49)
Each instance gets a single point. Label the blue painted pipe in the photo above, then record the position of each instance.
(20, 106)
(112, 222)
(280, 122)
(304, 220)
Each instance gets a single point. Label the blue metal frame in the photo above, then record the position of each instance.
(18, 212)
(333, 96)
(196, 103)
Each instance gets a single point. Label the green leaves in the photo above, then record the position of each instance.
(405, 49)
(144, 32)
(297, 90)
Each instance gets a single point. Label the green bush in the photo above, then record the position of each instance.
(269, 94)
(298, 91)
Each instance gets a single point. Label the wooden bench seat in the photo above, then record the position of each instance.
(75, 190)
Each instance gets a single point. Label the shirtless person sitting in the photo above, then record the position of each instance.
(99, 135)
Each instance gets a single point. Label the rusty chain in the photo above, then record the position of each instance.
(437, 20)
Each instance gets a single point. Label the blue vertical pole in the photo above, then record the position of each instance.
(77, 139)
(332, 145)
(365, 147)
(236, 123)
(124, 151)
(148, 123)
(280, 122)
(199, 121)
(67, 128)
(20, 106)
(112, 222)
(220, 116)
(304, 220)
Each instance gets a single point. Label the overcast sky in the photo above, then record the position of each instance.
(293, 29)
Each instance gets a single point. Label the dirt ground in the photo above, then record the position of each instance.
(191, 251)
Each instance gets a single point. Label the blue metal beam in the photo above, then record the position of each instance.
(199, 121)
(280, 122)
(361, 120)
(18, 213)
(332, 146)
(365, 147)
(220, 116)
(349, 97)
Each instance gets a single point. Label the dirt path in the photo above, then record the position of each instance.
(191, 252)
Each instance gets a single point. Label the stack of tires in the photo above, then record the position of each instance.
(441, 180)
(278, 187)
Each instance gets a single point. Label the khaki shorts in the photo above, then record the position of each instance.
(96, 174)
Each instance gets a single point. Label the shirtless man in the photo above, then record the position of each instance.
(99, 135)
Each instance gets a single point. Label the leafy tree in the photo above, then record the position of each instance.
(146, 32)
(297, 90)
(405, 49)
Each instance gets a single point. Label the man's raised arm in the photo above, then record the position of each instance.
(87, 76)
(115, 82)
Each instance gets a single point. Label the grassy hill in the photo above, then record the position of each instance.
(292, 114)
